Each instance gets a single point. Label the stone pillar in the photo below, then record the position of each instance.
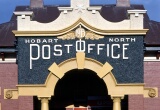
(116, 103)
(44, 103)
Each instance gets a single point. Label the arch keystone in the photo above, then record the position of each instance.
(80, 56)
(105, 69)
(56, 70)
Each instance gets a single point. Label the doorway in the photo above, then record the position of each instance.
(81, 88)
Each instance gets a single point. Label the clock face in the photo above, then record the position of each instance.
(80, 33)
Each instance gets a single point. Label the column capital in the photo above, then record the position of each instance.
(117, 102)
(44, 98)
(117, 97)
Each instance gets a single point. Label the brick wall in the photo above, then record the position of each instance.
(151, 79)
(9, 80)
(135, 102)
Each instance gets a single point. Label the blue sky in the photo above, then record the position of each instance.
(7, 6)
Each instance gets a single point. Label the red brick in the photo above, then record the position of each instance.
(25, 103)
(9, 80)
(135, 102)
(152, 79)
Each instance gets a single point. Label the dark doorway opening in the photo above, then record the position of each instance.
(81, 88)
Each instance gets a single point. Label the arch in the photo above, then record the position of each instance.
(102, 70)
(80, 62)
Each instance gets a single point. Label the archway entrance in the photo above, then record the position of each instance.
(58, 73)
(77, 86)
(80, 88)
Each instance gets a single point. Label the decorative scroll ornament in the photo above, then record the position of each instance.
(152, 93)
(8, 94)
(80, 33)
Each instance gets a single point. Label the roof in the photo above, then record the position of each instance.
(153, 35)
(50, 13)
(7, 38)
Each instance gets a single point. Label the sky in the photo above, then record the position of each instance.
(7, 6)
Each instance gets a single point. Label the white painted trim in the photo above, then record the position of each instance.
(94, 8)
(151, 59)
(19, 13)
(136, 11)
(65, 8)
(8, 60)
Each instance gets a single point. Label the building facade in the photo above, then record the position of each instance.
(79, 57)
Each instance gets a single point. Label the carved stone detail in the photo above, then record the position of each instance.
(8, 94)
(152, 93)
(93, 36)
(80, 33)
(68, 36)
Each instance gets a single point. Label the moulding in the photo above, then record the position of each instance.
(151, 59)
(65, 8)
(27, 13)
(8, 60)
(136, 11)
(94, 8)
(61, 32)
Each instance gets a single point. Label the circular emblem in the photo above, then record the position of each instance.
(152, 93)
(80, 33)
(9, 94)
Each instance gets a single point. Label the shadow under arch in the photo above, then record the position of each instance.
(79, 87)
